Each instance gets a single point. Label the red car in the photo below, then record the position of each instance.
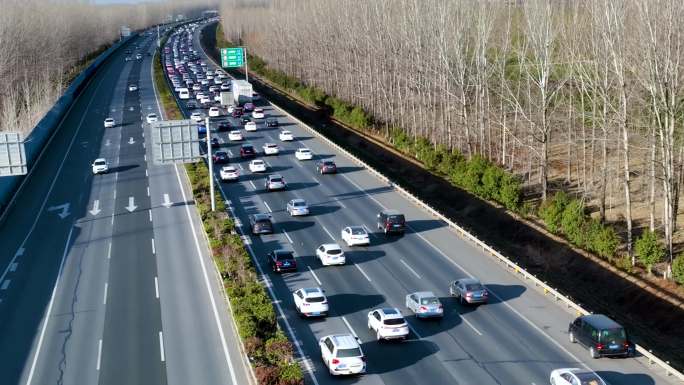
(247, 151)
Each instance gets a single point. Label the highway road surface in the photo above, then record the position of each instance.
(518, 338)
(107, 279)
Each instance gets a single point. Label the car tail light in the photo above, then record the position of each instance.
(599, 346)
(626, 344)
(335, 361)
(469, 294)
(363, 358)
(422, 308)
(278, 263)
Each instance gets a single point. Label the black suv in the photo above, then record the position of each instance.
(272, 122)
(602, 335)
(391, 221)
(261, 224)
(282, 260)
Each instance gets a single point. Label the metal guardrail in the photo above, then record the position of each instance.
(510, 265)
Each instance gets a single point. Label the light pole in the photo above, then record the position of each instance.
(210, 160)
(244, 49)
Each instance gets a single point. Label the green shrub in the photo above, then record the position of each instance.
(551, 211)
(510, 192)
(601, 239)
(400, 139)
(648, 250)
(678, 269)
(290, 374)
(475, 169)
(449, 161)
(572, 223)
(278, 349)
(491, 182)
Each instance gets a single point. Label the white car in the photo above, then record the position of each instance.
(196, 117)
(152, 117)
(231, 108)
(355, 235)
(424, 304)
(342, 354)
(258, 113)
(235, 136)
(303, 154)
(199, 95)
(132, 87)
(297, 207)
(388, 324)
(270, 149)
(109, 122)
(286, 136)
(217, 98)
(214, 112)
(330, 254)
(229, 173)
(257, 165)
(575, 376)
(100, 166)
(250, 126)
(311, 302)
(205, 100)
(196, 87)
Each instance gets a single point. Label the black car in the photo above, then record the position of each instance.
(260, 224)
(220, 157)
(602, 335)
(391, 221)
(326, 167)
(214, 142)
(282, 260)
(223, 126)
(271, 122)
(247, 151)
(245, 119)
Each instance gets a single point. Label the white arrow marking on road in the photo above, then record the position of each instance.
(5, 284)
(20, 252)
(108, 142)
(96, 207)
(167, 201)
(63, 210)
(132, 109)
(13, 266)
(131, 204)
(131, 141)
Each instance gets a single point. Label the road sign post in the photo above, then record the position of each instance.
(12, 154)
(234, 57)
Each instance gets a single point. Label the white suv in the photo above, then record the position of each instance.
(342, 354)
(311, 302)
(330, 254)
(388, 323)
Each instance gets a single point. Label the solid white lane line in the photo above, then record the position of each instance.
(363, 272)
(224, 345)
(240, 167)
(148, 190)
(104, 295)
(149, 211)
(109, 251)
(5, 284)
(267, 207)
(368, 231)
(156, 287)
(287, 236)
(46, 318)
(364, 191)
(146, 175)
(314, 275)
(99, 353)
(471, 325)
(350, 329)
(161, 346)
(230, 153)
(252, 183)
(115, 193)
(153, 250)
(328, 232)
(410, 269)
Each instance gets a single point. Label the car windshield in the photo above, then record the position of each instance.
(617, 335)
(394, 321)
(474, 287)
(281, 256)
(429, 301)
(315, 299)
(354, 352)
(328, 163)
(100, 162)
(258, 163)
(588, 379)
(276, 180)
(299, 204)
(334, 251)
(396, 219)
(358, 231)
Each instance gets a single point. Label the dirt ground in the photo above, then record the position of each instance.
(653, 322)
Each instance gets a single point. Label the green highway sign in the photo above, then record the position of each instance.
(232, 57)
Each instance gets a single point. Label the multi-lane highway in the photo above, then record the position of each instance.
(518, 338)
(106, 279)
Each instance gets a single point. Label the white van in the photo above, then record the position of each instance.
(183, 93)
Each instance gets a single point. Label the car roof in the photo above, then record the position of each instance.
(109, 119)
(235, 132)
(100, 160)
(344, 341)
(261, 216)
(357, 227)
(303, 149)
(391, 212)
(423, 294)
(270, 145)
(297, 200)
(600, 321)
(469, 280)
(282, 251)
(275, 176)
(228, 168)
(331, 246)
(390, 312)
(312, 291)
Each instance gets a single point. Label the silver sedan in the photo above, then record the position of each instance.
(424, 304)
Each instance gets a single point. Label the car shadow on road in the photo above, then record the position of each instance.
(626, 378)
(421, 225)
(348, 169)
(300, 185)
(357, 193)
(322, 209)
(123, 168)
(292, 226)
(388, 357)
(501, 293)
(349, 303)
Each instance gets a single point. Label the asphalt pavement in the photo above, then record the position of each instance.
(102, 281)
(518, 338)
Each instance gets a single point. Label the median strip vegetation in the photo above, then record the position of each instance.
(268, 348)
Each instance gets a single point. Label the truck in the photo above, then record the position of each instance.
(242, 92)
(226, 98)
